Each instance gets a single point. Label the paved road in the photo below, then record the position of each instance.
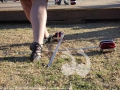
(81, 4)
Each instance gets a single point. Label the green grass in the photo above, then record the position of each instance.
(16, 70)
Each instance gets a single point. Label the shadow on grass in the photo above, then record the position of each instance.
(15, 59)
(14, 25)
(108, 33)
(105, 30)
(13, 45)
(7, 52)
(97, 23)
(89, 53)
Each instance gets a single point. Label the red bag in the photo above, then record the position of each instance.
(107, 46)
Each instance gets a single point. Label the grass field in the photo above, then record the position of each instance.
(16, 71)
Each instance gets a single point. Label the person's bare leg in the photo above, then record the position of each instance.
(27, 4)
(38, 17)
(36, 12)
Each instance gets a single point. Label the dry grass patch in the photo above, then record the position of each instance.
(17, 71)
